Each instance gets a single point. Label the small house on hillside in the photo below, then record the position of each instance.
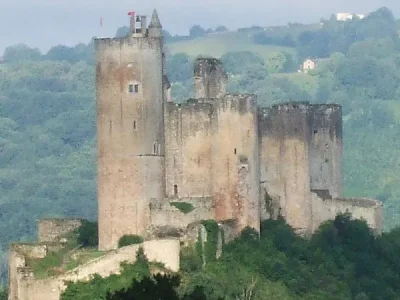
(311, 64)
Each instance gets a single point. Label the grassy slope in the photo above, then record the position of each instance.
(218, 44)
(306, 82)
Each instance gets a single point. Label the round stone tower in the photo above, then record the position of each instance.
(130, 129)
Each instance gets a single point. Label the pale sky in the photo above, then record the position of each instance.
(44, 23)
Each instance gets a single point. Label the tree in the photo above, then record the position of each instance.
(21, 52)
(221, 29)
(239, 62)
(179, 67)
(197, 31)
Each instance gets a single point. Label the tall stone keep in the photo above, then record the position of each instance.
(130, 129)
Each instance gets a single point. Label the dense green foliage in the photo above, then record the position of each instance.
(88, 234)
(47, 113)
(134, 282)
(98, 288)
(129, 239)
(342, 260)
(3, 294)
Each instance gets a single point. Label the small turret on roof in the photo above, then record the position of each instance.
(155, 20)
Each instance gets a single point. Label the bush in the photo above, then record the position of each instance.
(88, 234)
(129, 239)
(184, 207)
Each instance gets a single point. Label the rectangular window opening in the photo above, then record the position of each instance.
(235, 151)
(175, 190)
(133, 88)
(155, 148)
(134, 125)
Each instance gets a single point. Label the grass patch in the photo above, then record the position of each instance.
(47, 266)
(217, 45)
(68, 257)
(184, 207)
(306, 82)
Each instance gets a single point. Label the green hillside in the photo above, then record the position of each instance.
(219, 44)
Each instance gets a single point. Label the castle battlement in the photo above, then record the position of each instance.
(164, 168)
(239, 161)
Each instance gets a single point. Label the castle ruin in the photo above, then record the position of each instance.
(220, 155)
(228, 158)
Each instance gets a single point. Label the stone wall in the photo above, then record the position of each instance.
(325, 148)
(209, 78)
(167, 219)
(285, 177)
(235, 160)
(51, 230)
(23, 285)
(130, 134)
(326, 208)
(188, 149)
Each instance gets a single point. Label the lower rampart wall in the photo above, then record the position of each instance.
(23, 285)
(166, 217)
(51, 230)
(324, 209)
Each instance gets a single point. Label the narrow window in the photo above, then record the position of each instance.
(136, 88)
(175, 190)
(155, 148)
(131, 89)
(134, 125)
(235, 151)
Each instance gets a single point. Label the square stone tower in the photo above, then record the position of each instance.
(130, 129)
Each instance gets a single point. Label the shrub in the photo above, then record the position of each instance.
(184, 207)
(129, 239)
(88, 234)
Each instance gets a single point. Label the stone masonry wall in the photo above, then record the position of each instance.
(130, 134)
(325, 148)
(284, 136)
(325, 208)
(209, 78)
(167, 219)
(188, 149)
(50, 230)
(235, 160)
(23, 286)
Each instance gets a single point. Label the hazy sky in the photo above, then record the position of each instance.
(43, 23)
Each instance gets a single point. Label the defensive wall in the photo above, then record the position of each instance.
(24, 286)
(50, 230)
(326, 208)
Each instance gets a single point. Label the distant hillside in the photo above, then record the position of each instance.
(218, 44)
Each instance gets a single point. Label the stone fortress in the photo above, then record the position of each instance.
(231, 160)
(219, 155)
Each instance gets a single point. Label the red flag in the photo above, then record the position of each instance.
(131, 13)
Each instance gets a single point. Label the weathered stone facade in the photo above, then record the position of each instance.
(51, 230)
(164, 167)
(231, 159)
(24, 286)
